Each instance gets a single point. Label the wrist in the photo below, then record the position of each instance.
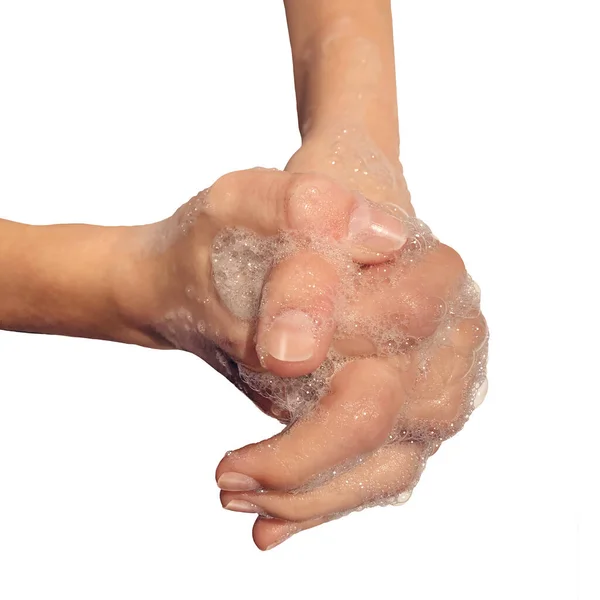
(139, 276)
(58, 279)
(351, 157)
(162, 280)
(344, 69)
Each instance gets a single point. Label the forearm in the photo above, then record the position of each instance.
(67, 280)
(344, 69)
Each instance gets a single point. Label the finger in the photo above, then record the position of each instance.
(269, 201)
(296, 322)
(269, 533)
(397, 300)
(388, 472)
(443, 378)
(355, 418)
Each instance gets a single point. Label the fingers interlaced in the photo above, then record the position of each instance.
(284, 241)
(347, 451)
(391, 304)
(355, 418)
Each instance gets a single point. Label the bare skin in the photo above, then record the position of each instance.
(152, 285)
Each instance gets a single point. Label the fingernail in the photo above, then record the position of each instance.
(242, 506)
(374, 228)
(480, 395)
(291, 337)
(236, 482)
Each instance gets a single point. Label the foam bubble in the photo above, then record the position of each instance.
(240, 263)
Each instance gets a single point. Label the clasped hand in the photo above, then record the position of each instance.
(342, 316)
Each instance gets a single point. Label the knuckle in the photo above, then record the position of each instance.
(226, 184)
(370, 427)
(438, 402)
(448, 407)
(304, 279)
(422, 314)
(440, 418)
(468, 335)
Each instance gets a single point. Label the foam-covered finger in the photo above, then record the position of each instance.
(268, 202)
(254, 199)
(355, 418)
(406, 299)
(371, 232)
(446, 377)
(296, 323)
(385, 474)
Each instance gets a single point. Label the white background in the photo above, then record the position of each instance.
(116, 112)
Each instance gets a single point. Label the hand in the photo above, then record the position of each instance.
(423, 343)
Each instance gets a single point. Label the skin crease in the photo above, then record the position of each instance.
(152, 285)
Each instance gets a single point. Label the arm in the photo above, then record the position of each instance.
(343, 55)
(65, 279)
(91, 281)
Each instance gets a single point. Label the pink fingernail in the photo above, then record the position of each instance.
(375, 229)
(242, 506)
(237, 482)
(291, 337)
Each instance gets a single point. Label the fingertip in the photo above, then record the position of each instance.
(233, 475)
(268, 533)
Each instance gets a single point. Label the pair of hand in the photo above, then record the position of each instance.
(400, 343)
